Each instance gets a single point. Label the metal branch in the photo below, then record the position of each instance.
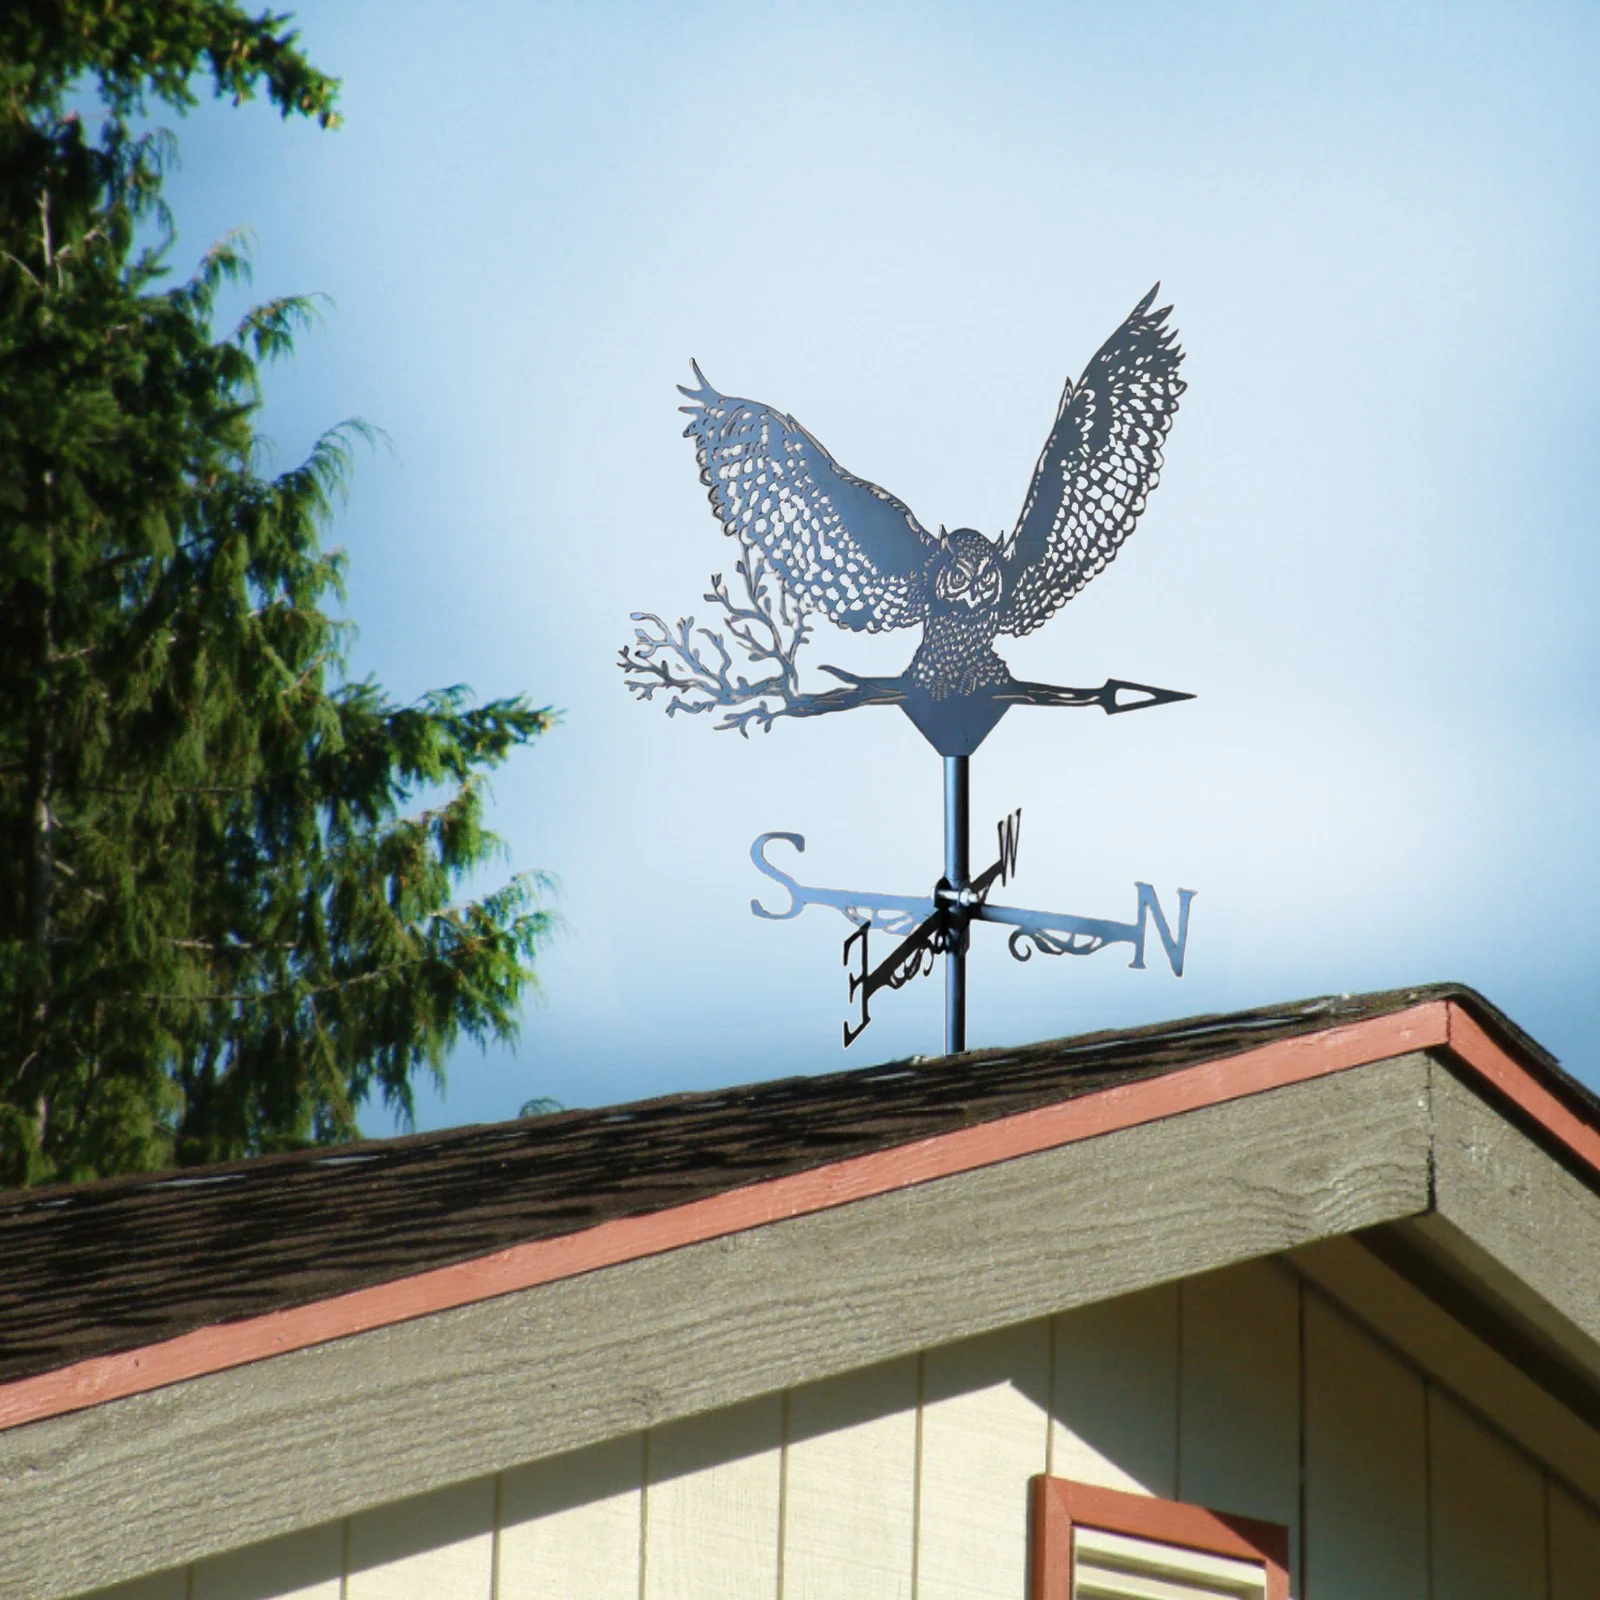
(695, 668)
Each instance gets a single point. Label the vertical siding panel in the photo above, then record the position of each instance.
(1574, 1548)
(851, 1486)
(569, 1526)
(1366, 1527)
(173, 1584)
(435, 1547)
(1115, 1403)
(985, 1418)
(1239, 1431)
(711, 1505)
(1488, 1512)
(300, 1566)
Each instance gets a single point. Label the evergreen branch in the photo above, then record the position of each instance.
(231, 791)
(229, 946)
(529, 929)
(156, 51)
(23, 267)
(205, 814)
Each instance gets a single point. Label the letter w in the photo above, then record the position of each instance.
(1010, 832)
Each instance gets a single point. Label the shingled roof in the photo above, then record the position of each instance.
(99, 1268)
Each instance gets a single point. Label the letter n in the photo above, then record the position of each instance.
(1149, 906)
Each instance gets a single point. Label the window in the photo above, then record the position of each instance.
(1101, 1544)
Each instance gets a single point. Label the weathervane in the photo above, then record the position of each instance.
(817, 539)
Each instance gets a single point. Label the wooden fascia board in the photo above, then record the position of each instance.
(1474, 1048)
(1437, 1024)
(251, 1453)
(1522, 1230)
(217, 1348)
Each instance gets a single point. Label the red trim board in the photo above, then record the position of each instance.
(1059, 1506)
(1432, 1024)
(1472, 1045)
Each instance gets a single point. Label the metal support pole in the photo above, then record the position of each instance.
(957, 876)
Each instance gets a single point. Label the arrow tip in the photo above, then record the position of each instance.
(1112, 701)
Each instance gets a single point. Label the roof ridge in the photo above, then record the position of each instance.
(1281, 1019)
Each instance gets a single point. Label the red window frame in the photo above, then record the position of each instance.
(1059, 1505)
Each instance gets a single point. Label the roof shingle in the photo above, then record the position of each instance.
(97, 1268)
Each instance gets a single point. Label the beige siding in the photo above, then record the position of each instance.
(1487, 1501)
(985, 1423)
(1574, 1548)
(1251, 1390)
(1114, 1417)
(1239, 1439)
(712, 1502)
(573, 1524)
(1422, 1332)
(159, 1586)
(850, 1482)
(439, 1545)
(304, 1566)
(1366, 1519)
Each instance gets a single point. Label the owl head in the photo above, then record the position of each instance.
(967, 575)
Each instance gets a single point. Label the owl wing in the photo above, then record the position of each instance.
(840, 545)
(1101, 461)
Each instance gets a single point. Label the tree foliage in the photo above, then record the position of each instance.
(222, 923)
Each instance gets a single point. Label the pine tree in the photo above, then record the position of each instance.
(222, 922)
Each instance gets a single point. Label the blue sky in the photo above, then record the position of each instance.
(1372, 554)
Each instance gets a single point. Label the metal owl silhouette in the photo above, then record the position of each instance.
(818, 541)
